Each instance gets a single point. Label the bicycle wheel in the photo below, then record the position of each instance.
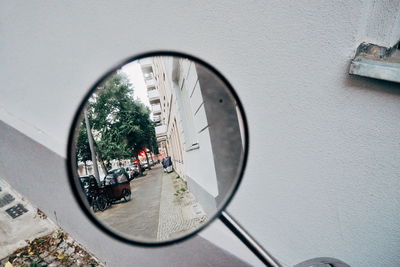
(127, 195)
(101, 203)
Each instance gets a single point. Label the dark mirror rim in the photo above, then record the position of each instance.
(70, 150)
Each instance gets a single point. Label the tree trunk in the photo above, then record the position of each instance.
(99, 158)
(91, 146)
(84, 162)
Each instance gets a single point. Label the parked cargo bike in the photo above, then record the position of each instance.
(117, 186)
(114, 187)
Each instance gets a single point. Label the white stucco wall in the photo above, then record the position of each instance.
(198, 162)
(323, 171)
(183, 103)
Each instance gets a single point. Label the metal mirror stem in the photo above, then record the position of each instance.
(248, 240)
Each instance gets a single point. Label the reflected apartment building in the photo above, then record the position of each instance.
(184, 97)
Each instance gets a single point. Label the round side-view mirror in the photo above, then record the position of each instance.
(175, 125)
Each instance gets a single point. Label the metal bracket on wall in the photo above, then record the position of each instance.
(377, 62)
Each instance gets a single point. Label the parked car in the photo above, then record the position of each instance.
(133, 171)
(144, 165)
(137, 168)
(117, 172)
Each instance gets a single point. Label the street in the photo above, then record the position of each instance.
(161, 208)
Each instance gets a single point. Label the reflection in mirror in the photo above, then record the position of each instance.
(158, 148)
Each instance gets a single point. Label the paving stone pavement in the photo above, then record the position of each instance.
(180, 213)
(161, 208)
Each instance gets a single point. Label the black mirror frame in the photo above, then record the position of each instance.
(71, 168)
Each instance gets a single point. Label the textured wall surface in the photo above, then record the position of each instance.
(323, 171)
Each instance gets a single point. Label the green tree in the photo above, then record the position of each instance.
(140, 137)
(120, 124)
(82, 146)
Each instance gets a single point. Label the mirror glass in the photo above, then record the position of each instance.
(157, 148)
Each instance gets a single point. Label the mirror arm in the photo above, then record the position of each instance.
(248, 240)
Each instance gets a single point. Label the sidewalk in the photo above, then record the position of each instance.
(180, 213)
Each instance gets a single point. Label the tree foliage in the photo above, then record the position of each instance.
(82, 146)
(121, 125)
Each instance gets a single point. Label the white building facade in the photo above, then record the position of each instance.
(183, 131)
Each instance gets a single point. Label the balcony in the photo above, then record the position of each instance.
(161, 129)
(146, 62)
(153, 95)
(148, 75)
(156, 109)
(150, 82)
(157, 118)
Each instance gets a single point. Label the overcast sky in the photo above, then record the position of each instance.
(135, 76)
